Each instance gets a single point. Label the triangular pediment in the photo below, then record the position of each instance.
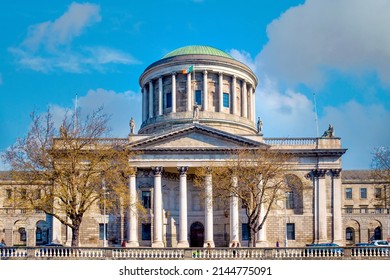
(194, 136)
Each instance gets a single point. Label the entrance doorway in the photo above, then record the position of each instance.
(197, 235)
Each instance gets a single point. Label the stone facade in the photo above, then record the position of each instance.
(175, 139)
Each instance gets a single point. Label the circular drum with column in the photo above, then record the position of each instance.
(201, 84)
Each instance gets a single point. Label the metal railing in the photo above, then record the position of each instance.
(296, 253)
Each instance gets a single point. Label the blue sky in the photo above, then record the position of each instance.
(340, 50)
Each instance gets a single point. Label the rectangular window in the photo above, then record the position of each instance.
(198, 97)
(146, 199)
(245, 231)
(23, 194)
(146, 231)
(38, 194)
(169, 99)
(378, 192)
(363, 193)
(8, 193)
(291, 231)
(102, 231)
(289, 200)
(226, 100)
(348, 209)
(348, 193)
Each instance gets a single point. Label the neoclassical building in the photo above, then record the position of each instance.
(198, 102)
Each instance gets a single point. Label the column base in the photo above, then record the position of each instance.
(132, 244)
(206, 244)
(158, 244)
(183, 244)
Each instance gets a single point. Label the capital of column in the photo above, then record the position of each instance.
(157, 170)
(205, 72)
(336, 172)
(319, 173)
(132, 171)
(182, 170)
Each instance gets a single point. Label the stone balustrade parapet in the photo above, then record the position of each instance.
(288, 253)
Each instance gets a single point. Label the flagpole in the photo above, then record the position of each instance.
(315, 112)
(75, 115)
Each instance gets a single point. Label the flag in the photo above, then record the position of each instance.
(189, 70)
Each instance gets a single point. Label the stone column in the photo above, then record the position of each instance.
(244, 100)
(220, 91)
(56, 230)
(320, 205)
(234, 107)
(150, 99)
(337, 197)
(261, 238)
(160, 96)
(157, 209)
(234, 230)
(249, 99)
(205, 91)
(253, 101)
(183, 236)
(68, 241)
(209, 221)
(133, 213)
(144, 106)
(189, 92)
(173, 92)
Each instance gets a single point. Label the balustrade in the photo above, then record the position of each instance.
(291, 253)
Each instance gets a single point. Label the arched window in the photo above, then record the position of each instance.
(38, 234)
(350, 234)
(290, 200)
(22, 234)
(378, 233)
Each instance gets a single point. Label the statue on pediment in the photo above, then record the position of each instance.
(132, 125)
(196, 112)
(329, 133)
(259, 126)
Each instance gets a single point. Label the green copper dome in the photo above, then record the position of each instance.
(198, 50)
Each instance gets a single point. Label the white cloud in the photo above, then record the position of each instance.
(343, 35)
(64, 29)
(361, 128)
(284, 114)
(244, 57)
(306, 44)
(49, 45)
(120, 106)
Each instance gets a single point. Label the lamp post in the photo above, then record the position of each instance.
(104, 214)
(285, 220)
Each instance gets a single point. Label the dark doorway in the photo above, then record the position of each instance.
(377, 233)
(197, 235)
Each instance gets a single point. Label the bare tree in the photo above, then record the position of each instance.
(257, 177)
(381, 172)
(65, 170)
